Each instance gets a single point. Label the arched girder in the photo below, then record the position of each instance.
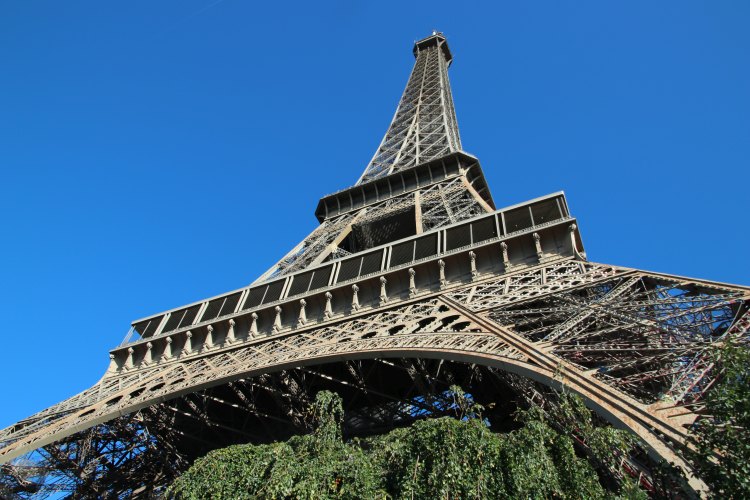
(635, 345)
(437, 329)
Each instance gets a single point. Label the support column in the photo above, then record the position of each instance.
(277, 321)
(573, 243)
(443, 281)
(383, 292)
(254, 325)
(149, 357)
(230, 333)
(209, 342)
(302, 313)
(188, 348)
(473, 263)
(112, 363)
(328, 312)
(355, 298)
(506, 261)
(168, 353)
(538, 246)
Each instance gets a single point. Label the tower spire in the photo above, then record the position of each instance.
(424, 127)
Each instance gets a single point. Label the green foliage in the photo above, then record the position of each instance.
(319, 465)
(434, 458)
(723, 440)
(605, 445)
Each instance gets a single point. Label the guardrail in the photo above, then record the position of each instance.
(503, 225)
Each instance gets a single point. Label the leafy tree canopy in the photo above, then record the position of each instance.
(723, 438)
(434, 458)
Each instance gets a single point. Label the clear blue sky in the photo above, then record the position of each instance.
(156, 153)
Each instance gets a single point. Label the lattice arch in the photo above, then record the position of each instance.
(438, 328)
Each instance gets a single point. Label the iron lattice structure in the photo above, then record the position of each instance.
(412, 282)
(424, 127)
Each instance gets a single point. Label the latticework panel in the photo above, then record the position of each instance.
(441, 204)
(642, 334)
(531, 283)
(126, 457)
(447, 203)
(311, 248)
(424, 126)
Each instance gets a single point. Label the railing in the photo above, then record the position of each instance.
(340, 300)
(503, 224)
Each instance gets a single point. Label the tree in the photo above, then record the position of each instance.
(722, 457)
(434, 458)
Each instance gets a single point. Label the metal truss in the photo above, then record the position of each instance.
(124, 458)
(644, 334)
(447, 203)
(646, 337)
(424, 126)
(379, 394)
(632, 343)
(440, 204)
(314, 248)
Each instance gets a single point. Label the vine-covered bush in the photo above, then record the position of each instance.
(434, 458)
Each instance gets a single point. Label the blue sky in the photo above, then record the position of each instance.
(156, 153)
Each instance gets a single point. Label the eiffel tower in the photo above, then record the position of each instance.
(412, 282)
